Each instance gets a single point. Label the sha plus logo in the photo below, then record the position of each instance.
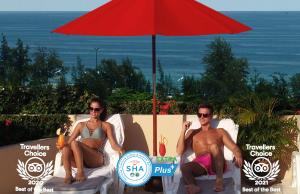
(134, 168)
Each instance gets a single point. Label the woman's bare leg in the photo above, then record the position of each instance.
(78, 157)
(91, 157)
(68, 161)
(85, 155)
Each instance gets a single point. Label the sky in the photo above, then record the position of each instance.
(87, 5)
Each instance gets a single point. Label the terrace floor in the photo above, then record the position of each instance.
(276, 189)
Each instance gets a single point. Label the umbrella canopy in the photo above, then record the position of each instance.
(152, 17)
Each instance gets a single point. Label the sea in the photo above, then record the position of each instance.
(273, 44)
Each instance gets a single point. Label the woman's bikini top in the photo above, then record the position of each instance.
(98, 133)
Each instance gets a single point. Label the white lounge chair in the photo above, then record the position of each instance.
(232, 174)
(103, 179)
(296, 168)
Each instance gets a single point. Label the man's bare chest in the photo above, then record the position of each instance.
(207, 137)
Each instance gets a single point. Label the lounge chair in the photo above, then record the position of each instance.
(296, 168)
(232, 176)
(103, 179)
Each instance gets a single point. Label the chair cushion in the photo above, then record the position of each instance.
(57, 183)
(89, 172)
(207, 186)
(118, 129)
(232, 130)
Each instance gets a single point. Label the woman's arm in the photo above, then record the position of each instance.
(73, 136)
(111, 138)
(75, 132)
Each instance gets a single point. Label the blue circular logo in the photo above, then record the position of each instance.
(134, 168)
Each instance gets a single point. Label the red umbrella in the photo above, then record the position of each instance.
(152, 17)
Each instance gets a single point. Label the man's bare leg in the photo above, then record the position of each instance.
(218, 165)
(78, 156)
(189, 171)
(67, 158)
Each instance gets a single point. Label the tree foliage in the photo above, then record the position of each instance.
(45, 67)
(225, 75)
(20, 65)
(4, 59)
(295, 85)
(42, 84)
(165, 86)
(14, 63)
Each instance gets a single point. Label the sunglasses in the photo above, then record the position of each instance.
(205, 115)
(94, 109)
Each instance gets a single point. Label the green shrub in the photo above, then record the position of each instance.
(18, 128)
(131, 107)
(188, 107)
(259, 125)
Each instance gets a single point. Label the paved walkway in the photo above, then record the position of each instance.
(275, 189)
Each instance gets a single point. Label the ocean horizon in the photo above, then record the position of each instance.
(272, 46)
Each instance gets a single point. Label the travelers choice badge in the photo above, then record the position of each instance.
(134, 168)
(261, 170)
(34, 169)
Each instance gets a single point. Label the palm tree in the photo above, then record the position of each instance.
(259, 125)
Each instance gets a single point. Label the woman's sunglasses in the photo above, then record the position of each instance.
(205, 115)
(94, 109)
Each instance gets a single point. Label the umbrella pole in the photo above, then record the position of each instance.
(154, 95)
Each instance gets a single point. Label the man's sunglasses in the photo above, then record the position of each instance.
(205, 115)
(94, 109)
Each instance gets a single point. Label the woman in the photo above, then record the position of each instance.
(85, 153)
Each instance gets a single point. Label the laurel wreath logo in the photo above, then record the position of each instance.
(275, 170)
(21, 168)
(273, 173)
(248, 171)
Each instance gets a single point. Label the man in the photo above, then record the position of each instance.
(208, 144)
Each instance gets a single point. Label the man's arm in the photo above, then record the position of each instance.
(183, 139)
(229, 143)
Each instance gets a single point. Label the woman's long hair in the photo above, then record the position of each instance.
(103, 115)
